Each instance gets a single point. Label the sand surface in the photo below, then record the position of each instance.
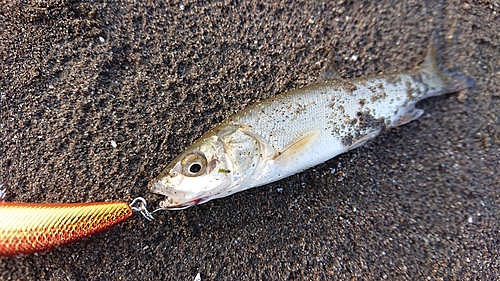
(96, 98)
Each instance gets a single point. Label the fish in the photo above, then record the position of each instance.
(290, 132)
(26, 228)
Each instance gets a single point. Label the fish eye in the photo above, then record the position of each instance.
(195, 168)
(194, 164)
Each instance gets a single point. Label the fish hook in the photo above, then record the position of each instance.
(139, 205)
(2, 192)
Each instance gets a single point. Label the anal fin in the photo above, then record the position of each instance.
(410, 115)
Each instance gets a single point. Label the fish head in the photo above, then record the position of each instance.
(194, 176)
(223, 162)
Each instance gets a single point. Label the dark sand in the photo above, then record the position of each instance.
(421, 202)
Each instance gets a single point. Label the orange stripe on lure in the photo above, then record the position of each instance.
(28, 227)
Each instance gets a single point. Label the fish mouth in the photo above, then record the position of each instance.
(173, 198)
(168, 204)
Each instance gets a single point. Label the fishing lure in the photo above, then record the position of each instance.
(27, 228)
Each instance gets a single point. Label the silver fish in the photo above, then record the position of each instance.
(291, 132)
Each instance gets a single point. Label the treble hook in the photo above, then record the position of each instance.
(141, 208)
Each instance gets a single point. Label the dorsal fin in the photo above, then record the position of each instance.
(330, 73)
(330, 70)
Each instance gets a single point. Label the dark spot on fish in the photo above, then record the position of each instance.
(411, 92)
(392, 79)
(380, 95)
(276, 155)
(300, 107)
(368, 122)
(341, 108)
(417, 77)
(349, 87)
(387, 122)
(347, 140)
(362, 102)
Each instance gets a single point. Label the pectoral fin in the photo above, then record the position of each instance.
(295, 148)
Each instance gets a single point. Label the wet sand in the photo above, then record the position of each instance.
(97, 98)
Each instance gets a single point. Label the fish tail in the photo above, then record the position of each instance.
(456, 82)
(27, 227)
(446, 81)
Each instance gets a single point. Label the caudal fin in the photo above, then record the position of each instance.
(455, 82)
(451, 82)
